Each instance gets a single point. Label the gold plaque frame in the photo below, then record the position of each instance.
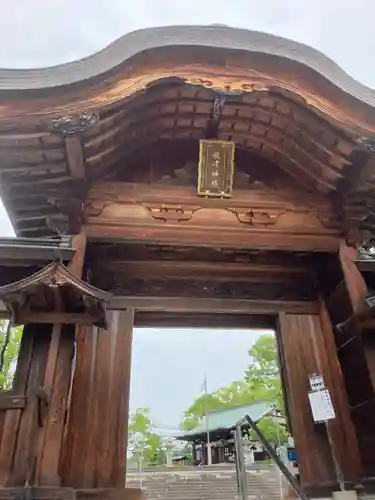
(224, 172)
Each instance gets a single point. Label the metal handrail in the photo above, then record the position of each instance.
(280, 464)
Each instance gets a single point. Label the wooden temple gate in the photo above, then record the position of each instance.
(209, 177)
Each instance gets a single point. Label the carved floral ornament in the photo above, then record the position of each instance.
(368, 143)
(70, 125)
(228, 87)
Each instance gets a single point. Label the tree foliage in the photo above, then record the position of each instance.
(144, 442)
(261, 382)
(236, 393)
(10, 354)
(262, 375)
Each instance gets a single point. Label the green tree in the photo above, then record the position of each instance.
(143, 441)
(273, 430)
(262, 375)
(197, 410)
(10, 354)
(261, 382)
(236, 393)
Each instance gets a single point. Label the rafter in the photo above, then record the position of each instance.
(75, 157)
(160, 108)
(284, 159)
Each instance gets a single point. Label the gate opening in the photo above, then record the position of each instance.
(189, 387)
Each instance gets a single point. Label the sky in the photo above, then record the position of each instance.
(169, 365)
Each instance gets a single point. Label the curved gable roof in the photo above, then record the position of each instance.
(219, 37)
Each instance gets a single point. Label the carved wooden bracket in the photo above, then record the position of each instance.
(172, 213)
(95, 208)
(68, 202)
(254, 217)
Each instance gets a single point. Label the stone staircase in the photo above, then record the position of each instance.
(205, 483)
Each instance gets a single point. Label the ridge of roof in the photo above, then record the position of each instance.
(244, 405)
(211, 36)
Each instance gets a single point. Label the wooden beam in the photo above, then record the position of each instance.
(74, 153)
(178, 235)
(355, 283)
(144, 319)
(78, 260)
(67, 493)
(12, 401)
(192, 305)
(217, 271)
(55, 318)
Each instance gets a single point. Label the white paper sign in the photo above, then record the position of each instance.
(316, 382)
(321, 406)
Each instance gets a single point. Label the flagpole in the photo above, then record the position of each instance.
(209, 454)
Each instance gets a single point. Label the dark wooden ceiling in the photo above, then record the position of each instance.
(39, 164)
(169, 271)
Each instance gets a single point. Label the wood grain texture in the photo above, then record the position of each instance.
(254, 219)
(28, 433)
(308, 348)
(57, 379)
(299, 361)
(99, 406)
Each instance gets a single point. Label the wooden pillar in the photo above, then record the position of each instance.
(96, 439)
(354, 350)
(30, 374)
(307, 347)
(12, 418)
(57, 381)
(32, 440)
(353, 280)
(56, 386)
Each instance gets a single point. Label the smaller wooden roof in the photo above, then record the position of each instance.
(227, 418)
(54, 295)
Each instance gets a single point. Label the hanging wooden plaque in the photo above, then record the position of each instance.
(216, 168)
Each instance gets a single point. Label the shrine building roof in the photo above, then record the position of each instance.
(64, 129)
(227, 418)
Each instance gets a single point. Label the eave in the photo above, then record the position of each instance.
(54, 295)
(30, 251)
(149, 78)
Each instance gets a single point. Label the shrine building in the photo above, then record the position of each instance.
(217, 428)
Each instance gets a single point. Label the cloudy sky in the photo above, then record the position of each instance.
(169, 366)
